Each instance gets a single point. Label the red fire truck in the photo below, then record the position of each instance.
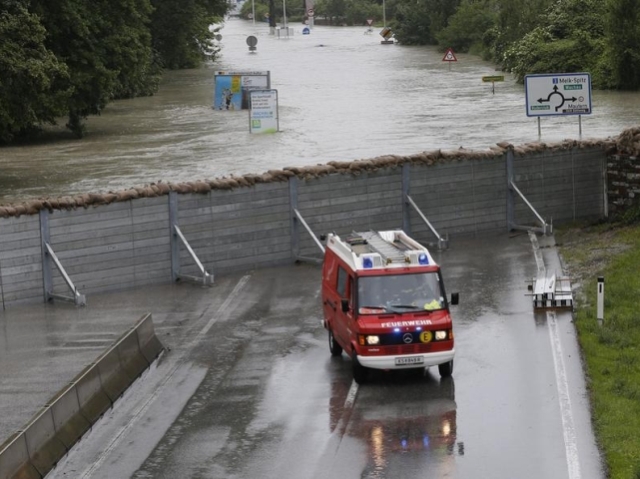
(385, 304)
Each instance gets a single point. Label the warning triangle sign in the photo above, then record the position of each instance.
(449, 56)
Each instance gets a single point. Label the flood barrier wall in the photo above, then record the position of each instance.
(120, 241)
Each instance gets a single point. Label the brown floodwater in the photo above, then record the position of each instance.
(342, 96)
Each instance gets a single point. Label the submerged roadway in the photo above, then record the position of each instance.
(248, 389)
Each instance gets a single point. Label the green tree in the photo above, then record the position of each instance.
(106, 47)
(33, 83)
(571, 40)
(516, 18)
(419, 22)
(125, 29)
(181, 30)
(468, 26)
(333, 10)
(358, 11)
(623, 41)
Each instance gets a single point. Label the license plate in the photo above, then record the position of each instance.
(409, 360)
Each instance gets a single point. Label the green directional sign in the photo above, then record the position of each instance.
(493, 78)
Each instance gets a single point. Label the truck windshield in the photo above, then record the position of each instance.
(401, 292)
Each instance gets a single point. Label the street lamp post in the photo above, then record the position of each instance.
(384, 14)
(284, 14)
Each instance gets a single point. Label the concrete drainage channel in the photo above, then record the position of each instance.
(32, 452)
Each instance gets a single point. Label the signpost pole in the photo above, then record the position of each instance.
(580, 126)
(539, 129)
(253, 11)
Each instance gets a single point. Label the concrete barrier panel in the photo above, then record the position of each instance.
(131, 358)
(69, 422)
(114, 378)
(45, 449)
(93, 400)
(14, 459)
(150, 345)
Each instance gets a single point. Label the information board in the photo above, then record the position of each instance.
(263, 111)
(231, 89)
(558, 94)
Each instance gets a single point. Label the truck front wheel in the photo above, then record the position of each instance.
(446, 369)
(334, 347)
(359, 371)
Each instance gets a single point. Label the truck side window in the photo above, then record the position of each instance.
(343, 277)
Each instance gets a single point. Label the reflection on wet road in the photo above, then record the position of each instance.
(342, 96)
(250, 390)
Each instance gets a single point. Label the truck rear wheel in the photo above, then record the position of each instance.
(334, 347)
(446, 369)
(359, 371)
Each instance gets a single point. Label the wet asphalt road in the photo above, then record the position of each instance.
(249, 389)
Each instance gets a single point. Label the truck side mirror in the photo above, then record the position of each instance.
(455, 298)
(345, 305)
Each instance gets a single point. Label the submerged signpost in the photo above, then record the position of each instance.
(493, 79)
(231, 89)
(263, 111)
(558, 94)
(449, 57)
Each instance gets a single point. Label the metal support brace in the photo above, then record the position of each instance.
(546, 228)
(47, 253)
(205, 279)
(443, 243)
(299, 217)
(77, 298)
(296, 218)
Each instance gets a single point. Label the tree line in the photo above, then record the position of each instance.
(69, 58)
(601, 37)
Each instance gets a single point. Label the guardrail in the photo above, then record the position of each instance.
(53, 431)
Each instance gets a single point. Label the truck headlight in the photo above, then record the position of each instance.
(372, 340)
(441, 335)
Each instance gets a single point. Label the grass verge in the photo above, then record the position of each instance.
(611, 350)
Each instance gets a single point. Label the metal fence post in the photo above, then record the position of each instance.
(510, 192)
(175, 245)
(293, 206)
(605, 188)
(406, 181)
(47, 277)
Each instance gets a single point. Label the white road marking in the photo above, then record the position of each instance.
(568, 429)
(224, 306)
(139, 412)
(351, 395)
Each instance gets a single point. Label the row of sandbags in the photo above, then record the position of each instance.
(628, 141)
